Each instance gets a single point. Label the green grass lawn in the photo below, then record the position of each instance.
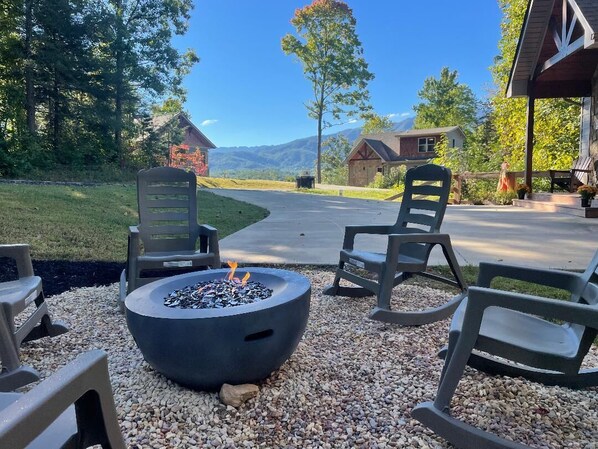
(257, 184)
(91, 223)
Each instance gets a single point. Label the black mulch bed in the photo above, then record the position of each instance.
(59, 276)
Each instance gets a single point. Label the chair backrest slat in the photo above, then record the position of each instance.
(421, 219)
(167, 189)
(428, 205)
(167, 199)
(425, 190)
(166, 203)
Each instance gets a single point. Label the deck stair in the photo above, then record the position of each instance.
(563, 203)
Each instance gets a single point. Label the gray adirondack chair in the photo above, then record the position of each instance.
(410, 241)
(168, 230)
(21, 297)
(516, 327)
(74, 408)
(569, 180)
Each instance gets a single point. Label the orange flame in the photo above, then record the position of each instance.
(233, 267)
(245, 278)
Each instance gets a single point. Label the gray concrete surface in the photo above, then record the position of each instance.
(309, 229)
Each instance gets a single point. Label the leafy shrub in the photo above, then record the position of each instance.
(478, 190)
(391, 180)
(504, 198)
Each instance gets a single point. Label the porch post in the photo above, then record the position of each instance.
(529, 137)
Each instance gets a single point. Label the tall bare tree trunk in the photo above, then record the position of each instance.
(119, 85)
(319, 157)
(29, 88)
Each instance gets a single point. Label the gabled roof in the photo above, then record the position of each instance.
(557, 50)
(160, 121)
(387, 145)
(430, 131)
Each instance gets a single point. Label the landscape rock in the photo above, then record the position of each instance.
(236, 395)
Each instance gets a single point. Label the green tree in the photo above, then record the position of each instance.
(334, 168)
(445, 102)
(556, 130)
(332, 57)
(144, 62)
(375, 123)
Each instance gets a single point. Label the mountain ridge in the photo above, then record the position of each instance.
(292, 157)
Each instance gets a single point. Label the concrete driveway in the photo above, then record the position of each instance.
(309, 229)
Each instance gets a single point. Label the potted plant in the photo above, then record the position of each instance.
(587, 193)
(522, 189)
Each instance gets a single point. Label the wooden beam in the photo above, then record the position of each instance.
(529, 137)
(562, 54)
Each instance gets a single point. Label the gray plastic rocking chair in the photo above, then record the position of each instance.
(514, 327)
(20, 297)
(410, 241)
(167, 230)
(74, 408)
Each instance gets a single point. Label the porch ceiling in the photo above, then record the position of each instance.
(556, 55)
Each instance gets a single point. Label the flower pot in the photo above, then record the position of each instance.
(585, 202)
(521, 195)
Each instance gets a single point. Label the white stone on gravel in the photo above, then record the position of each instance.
(352, 382)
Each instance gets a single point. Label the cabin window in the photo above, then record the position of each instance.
(453, 143)
(380, 170)
(426, 144)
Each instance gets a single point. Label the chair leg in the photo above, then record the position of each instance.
(46, 328)
(336, 290)
(332, 290)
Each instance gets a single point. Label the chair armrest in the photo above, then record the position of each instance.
(582, 170)
(206, 229)
(212, 236)
(351, 231)
(420, 237)
(552, 173)
(20, 253)
(24, 420)
(565, 280)
(133, 248)
(396, 240)
(479, 299)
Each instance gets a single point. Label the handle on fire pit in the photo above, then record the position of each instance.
(259, 335)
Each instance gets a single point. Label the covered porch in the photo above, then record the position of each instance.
(557, 57)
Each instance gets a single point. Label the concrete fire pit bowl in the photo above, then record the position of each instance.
(204, 348)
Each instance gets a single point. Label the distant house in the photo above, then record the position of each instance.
(193, 137)
(377, 153)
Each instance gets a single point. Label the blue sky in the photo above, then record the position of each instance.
(246, 91)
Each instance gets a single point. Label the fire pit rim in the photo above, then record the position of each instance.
(148, 300)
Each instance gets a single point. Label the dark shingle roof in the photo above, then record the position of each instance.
(589, 9)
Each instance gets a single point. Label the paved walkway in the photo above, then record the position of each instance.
(309, 229)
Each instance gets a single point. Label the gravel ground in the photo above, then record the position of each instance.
(351, 383)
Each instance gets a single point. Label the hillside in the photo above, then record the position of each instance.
(290, 158)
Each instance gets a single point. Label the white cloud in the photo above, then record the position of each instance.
(405, 114)
(352, 121)
(208, 122)
(391, 115)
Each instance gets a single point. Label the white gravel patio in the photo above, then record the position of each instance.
(351, 383)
